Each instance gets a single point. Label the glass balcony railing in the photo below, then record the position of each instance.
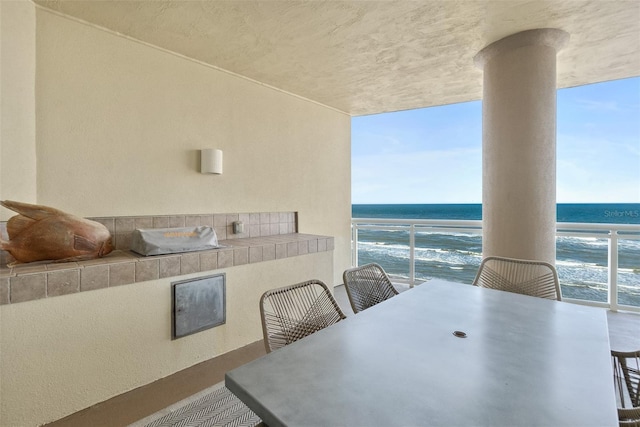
(598, 264)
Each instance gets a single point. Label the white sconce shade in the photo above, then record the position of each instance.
(211, 161)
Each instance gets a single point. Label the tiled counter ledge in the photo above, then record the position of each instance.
(32, 281)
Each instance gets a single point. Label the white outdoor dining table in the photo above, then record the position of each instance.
(525, 361)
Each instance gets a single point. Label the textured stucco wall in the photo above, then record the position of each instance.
(119, 125)
(17, 109)
(62, 354)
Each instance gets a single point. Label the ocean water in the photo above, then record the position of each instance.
(581, 262)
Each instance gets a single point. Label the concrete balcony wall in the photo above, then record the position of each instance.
(119, 125)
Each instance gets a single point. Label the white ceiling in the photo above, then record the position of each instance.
(366, 57)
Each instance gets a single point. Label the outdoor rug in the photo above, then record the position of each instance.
(214, 406)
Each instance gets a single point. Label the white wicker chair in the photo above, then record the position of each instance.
(533, 278)
(367, 286)
(294, 312)
(626, 377)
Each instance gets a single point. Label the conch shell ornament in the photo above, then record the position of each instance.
(42, 233)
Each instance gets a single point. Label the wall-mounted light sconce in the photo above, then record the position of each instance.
(211, 161)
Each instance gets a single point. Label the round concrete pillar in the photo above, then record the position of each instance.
(519, 144)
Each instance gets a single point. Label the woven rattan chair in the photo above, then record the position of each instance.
(367, 286)
(626, 377)
(294, 312)
(534, 278)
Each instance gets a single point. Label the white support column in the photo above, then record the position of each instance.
(519, 144)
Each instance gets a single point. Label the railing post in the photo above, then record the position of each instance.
(412, 255)
(613, 270)
(581, 230)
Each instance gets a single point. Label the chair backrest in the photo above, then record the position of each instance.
(626, 377)
(534, 278)
(367, 286)
(294, 312)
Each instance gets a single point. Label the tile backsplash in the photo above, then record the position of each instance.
(259, 224)
(266, 237)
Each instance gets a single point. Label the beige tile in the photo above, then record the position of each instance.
(265, 229)
(255, 254)
(123, 273)
(119, 256)
(225, 258)
(123, 241)
(206, 220)
(281, 250)
(283, 228)
(265, 218)
(27, 287)
(254, 218)
(274, 217)
(268, 252)
(313, 246)
(330, 243)
(284, 217)
(110, 223)
(147, 269)
(144, 222)
(231, 218)
(169, 266)
(292, 249)
(94, 277)
(4, 290)
(32, 267)
(208, 260)
(95, 261)
(322, 245)
(63, 282)
(161, 222)
(221, 232)
(189, 263)
(254, 230)
(229, 233)
(240, 256)
(303, 247)
(125, 224)
(176, 221)
(274, 229)
(191, 220)
(5, 271)
(53, 266)
(220, 220)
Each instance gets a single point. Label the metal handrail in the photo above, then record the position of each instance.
(611, 232)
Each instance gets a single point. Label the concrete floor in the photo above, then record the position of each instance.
(624, 331)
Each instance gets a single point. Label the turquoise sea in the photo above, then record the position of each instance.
(581, 262)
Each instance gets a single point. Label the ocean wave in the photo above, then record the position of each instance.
(584, 241)
(578, 264)
(448, 234)
(581, 261)
(600, 242)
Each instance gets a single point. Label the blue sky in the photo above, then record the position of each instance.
(433, 155)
